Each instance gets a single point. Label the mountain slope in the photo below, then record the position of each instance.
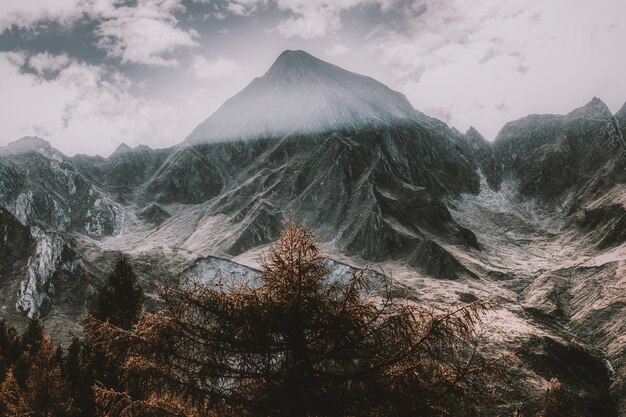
(303, 94)
(535, 220)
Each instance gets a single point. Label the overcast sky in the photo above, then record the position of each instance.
(88, 75)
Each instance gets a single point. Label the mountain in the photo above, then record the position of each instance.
(301, 93)
(535, 220)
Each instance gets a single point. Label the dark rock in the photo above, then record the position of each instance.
(606, 224)
(435, 261)
(16, 244)
(583, 375)
(154, 214)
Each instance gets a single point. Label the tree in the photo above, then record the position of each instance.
(11, 402)
(46, 390)
(117, 303)
(45, 393)
(80, 370)
(298, 345)
(119, 300)
(10, 347)
(32, 338)
(30, 343)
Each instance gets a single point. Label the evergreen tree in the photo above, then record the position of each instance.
(117, 303)
(79, 369)
(32, 338)
(10, 347)
(297, 346)
(119, 300)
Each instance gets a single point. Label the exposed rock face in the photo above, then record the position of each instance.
(43, 187)
(34, 296)
(552, 156)
(16, 244)
(549, 294)
(50, 259)
(153, 214)
(435, 261)
(535, 220)
(478, 150)
(582, 373)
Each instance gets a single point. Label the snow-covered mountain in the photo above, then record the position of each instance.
(536, 220)
(303, 94)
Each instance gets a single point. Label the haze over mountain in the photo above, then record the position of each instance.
(536, 220)
(303, 94)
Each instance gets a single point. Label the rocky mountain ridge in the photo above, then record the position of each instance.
(536, 219)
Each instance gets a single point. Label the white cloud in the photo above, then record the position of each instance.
(24, 13)
(145, 34)
(307, 19)
(46, 62)
(487, 63)
(245, 7)
(84, 108)
(216, 69)
(312, 19)
(338, 49)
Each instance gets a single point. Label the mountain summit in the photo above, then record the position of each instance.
(303, 94)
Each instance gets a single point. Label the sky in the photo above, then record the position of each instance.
(87, 75)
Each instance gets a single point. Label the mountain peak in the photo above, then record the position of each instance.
(474, 133)
(303, 94)
(595, 108)
(297, 57)
(125, 149)
(122, 149)
(25, 144)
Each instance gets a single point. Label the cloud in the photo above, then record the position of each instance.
(216, 69)
(47, 63)
(237, 7)
(83, 108)
(145, 32)
(304, 19)
(25, 13)
(338, 49)
(310, 19)
(515, 57)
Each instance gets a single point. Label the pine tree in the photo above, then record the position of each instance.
(119, 300)
(297, 346)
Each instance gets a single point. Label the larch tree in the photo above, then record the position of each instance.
(298, 345)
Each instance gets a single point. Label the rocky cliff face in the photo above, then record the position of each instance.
(536, 219)
(43, 187)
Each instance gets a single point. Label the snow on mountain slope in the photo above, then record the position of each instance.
(303, 94)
